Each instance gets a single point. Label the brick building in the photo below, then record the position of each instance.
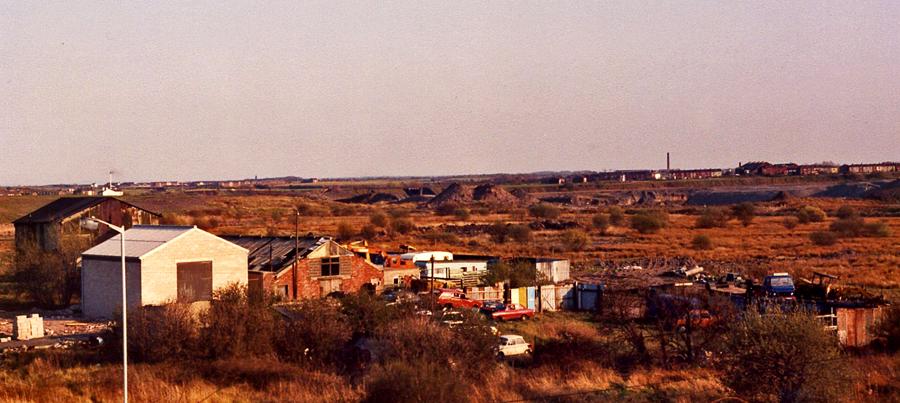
(322, 267)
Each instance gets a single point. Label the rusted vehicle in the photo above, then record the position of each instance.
(513, 312)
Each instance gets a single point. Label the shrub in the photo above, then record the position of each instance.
(790, 222)
(51, 278)
(542, 210)
(519, 232)
(702, 242)
(378, 219)
(499, 231)
(443, 237)
(744, 212)
(366, 314)
(314, 332)
(616, 216)
(402, 225)
(461, 213)
(345, 231)
(712, 218)
(784, 357)
(887, 330)
(649, 222)
(823, 238)
(368, 231)
(451, 208)
(877, 229)
(807, 214)
(516, 274)
(845, 212)
(575, 240)
(600, 222)
(342, 210)
(236, 325)
(848, 227)
(417, 380)
(160, 333)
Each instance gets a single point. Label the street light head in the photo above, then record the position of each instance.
(89, 224)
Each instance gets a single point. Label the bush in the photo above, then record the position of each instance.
(845, 212)
(790, 222)
(314, 332)
(807, 214)
(786, 357)
(712, 218)
(402, 225)
(161, 333)
(702, 242)
(616, 216)
(519, 232)
(50, 278)
(823, 238)
(575, 240)
(368, 231)
(378, 219)
(442, 237)
(417, 380)
(848, 227)
(499, 231)
(887, 330)
(600, 222)
(453, 209)
(236, 325)
(516, 274)
(744, 212)
(877, 229)
(649, 222)
(542, 210)
(345, 231)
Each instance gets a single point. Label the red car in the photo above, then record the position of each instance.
(513, 312)
(458, 300)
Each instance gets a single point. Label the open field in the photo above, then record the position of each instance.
(766, 245)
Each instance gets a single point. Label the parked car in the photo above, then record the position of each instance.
(458, 300)
(513, 312)
(489, 307)
(779, 285)
(512, 345)
(452, 319)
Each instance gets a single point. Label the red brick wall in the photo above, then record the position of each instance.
(361, 273)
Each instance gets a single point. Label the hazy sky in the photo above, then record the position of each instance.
(178, 91)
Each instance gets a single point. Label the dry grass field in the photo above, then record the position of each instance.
(766, 245)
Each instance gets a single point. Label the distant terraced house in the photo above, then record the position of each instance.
(883, 167)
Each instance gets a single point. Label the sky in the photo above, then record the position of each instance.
(230, 90)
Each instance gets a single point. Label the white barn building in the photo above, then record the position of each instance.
(164, 264)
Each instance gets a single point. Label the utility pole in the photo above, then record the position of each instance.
(296, 254)
(432, 283)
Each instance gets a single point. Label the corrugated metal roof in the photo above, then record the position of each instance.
(139, 240)
(65, 207)
(274, 253)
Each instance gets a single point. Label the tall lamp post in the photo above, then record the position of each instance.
(92, 224)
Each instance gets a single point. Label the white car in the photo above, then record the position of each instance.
(511, 344)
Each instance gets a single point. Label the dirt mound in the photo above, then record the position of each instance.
(371, 198)
(491, 194)
(466, 194)
(455, 193)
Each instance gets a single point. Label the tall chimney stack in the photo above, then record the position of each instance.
(668, 163)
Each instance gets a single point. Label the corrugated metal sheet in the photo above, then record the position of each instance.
(139, 240)
(854, 324)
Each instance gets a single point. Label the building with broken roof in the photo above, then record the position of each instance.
(305, 267)
(45, 227)
(163, 264)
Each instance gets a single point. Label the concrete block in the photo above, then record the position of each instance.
(22, 328)
(37, 326)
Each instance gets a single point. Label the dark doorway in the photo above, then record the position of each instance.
(194, 281)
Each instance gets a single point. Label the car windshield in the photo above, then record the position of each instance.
(781, 282)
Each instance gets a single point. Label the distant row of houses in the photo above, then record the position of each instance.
(756, 168)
